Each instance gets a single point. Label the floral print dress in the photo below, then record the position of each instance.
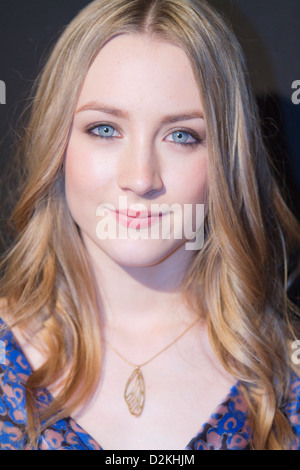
(226, 429)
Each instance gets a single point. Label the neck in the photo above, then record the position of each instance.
(141, 298)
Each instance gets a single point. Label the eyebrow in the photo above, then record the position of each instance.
(95, 106)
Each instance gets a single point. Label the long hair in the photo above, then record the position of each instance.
(238, 279)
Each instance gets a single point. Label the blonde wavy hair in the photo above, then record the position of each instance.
(238, 279)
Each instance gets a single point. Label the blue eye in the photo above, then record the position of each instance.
(180, 137)
(184, 137)
(104, 130)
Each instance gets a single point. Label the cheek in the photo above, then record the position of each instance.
(77, 177)
(82, 184)
(196, 184)
(76, 184)
(192, 182)
(86, 174)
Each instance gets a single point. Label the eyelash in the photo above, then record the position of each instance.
(198, 139)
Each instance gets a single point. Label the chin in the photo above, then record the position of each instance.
(138, 254)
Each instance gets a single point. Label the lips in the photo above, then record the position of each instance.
(134, 214)
(137, 219)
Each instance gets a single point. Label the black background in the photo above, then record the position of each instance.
(269, 31)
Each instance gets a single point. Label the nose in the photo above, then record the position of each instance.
(139, 170)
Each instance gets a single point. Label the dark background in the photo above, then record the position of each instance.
(269, 31)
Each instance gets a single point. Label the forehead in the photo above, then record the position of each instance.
(138, 68)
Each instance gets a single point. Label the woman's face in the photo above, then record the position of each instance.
(137, 144)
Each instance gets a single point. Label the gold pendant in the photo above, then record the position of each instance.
(134, 393)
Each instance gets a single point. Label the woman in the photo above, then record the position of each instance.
(142, 116)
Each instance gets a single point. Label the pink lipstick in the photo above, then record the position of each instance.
(137, 219)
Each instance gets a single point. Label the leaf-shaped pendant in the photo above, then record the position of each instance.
(134, 393)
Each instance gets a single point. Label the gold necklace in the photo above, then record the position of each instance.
(134, 393)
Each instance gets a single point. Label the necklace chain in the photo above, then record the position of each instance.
(138, 366)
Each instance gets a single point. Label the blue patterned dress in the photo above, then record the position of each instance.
(227, 427)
